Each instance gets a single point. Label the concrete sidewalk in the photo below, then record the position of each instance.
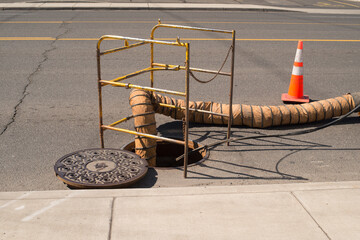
(284, 211)
(164, 6)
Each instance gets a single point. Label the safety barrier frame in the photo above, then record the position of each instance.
(160, 67)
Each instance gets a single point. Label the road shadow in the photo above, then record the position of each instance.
(148, 181)
(241, 171)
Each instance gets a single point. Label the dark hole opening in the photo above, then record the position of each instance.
(167, 152)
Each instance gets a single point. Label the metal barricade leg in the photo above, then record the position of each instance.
(231, 87)
(100, 99)
(187, 79)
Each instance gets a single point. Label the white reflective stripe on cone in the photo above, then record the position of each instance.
(298, 71)
(298, 56)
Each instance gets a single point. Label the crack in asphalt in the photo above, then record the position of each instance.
(32, 75)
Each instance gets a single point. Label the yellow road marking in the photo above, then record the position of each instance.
(307, 40)
(152, 22)
(325, 4)
(27, 39)
(352, 5)
(78, 39)
(34, 22)
(181, 39)
(257, 39)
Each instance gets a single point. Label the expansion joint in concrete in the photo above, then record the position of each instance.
(111, 218)
(308, 212)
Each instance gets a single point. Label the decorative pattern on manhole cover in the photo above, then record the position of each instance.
(100, 168)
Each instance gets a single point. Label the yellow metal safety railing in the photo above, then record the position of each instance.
(117, 82)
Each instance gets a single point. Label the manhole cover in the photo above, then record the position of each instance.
(100, 168)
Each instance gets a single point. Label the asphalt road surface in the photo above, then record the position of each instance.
(49, 103)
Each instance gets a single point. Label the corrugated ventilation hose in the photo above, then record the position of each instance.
(144, 105)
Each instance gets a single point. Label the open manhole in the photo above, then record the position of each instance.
(167, 152)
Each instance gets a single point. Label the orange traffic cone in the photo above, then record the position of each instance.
(295, 93)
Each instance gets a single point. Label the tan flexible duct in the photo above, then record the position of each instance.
(145, 103)
(144, 122)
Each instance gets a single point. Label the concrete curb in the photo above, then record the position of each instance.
(166, 6)
(184, 191)
(279, 211)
